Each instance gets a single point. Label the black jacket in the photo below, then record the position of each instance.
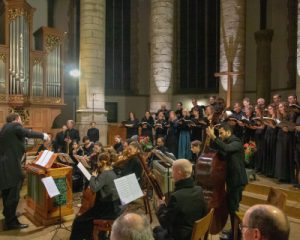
(93, 134)
(186, 205)
(12, 148)
(232, 151)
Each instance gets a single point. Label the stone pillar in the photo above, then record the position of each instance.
(92, 68)
(161, 54)
(298, 53)
(232, 48)
(263, 63)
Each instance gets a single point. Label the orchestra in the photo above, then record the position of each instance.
(273, 128)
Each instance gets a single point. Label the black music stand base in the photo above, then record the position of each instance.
(60, 225)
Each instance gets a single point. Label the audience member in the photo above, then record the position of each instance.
(177, 218)
(265, 222)
(131, 226)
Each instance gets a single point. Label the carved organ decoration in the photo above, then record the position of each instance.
(31, 77)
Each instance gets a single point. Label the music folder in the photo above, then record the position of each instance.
(65, 158)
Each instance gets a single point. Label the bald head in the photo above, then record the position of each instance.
(265, 222)
(131, 226)
(182, 169)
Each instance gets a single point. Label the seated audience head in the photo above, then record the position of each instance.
(182, 169)
(131, 226)
(196, 147)
(265, 222)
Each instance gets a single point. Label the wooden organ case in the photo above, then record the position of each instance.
(31, 79)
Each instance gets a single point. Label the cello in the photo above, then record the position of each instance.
(210, 174)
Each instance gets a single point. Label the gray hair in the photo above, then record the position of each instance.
(131, 226)
(271, 222)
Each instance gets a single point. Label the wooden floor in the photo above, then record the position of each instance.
(254, 193)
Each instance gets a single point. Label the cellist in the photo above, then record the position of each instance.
(107, 201)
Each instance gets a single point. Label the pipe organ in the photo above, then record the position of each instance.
(31, 77)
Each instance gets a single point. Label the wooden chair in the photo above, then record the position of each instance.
(201, 226)
(101, 225)
(276, 198)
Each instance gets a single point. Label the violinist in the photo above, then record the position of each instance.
(88, 146)
(118, 146)
(128, 164)
(93, 158)
(107, 201)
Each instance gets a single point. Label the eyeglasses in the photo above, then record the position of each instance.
(241, 226)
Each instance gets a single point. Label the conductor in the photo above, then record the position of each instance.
(12, 139)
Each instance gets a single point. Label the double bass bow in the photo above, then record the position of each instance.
(210, 174)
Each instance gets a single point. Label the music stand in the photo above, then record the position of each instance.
(60, 224)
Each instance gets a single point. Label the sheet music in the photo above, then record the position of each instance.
(46, 158)
(128, 188)
(41, 158)
(50, 186)
(84, 171)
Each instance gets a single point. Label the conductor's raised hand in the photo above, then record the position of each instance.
(46, 137)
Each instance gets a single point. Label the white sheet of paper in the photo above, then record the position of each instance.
(42, 158)
(128, 188)
(46, 158)
(50, 186)
(84, 171)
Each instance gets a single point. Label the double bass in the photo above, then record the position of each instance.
(210, 174)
